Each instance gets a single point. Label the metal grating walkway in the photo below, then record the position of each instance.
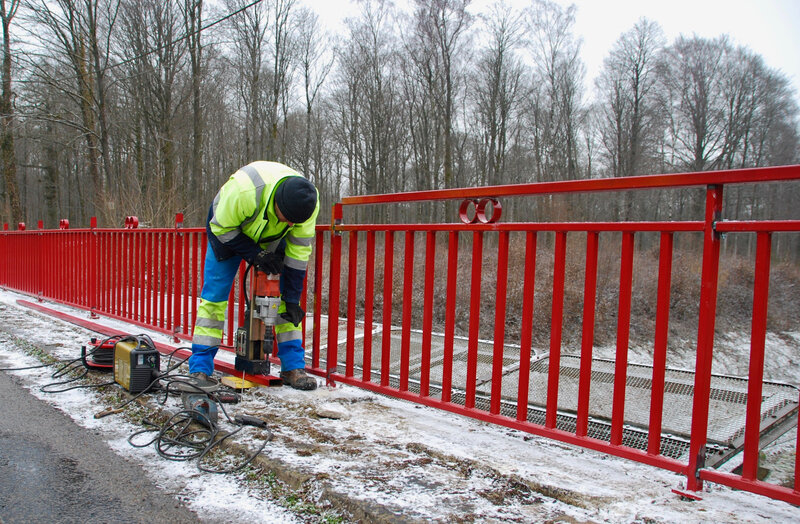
(726, 414)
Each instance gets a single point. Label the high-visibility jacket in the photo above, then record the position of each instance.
(242, 221)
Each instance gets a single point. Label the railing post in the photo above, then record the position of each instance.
(39, 261)
(94, 275)
(176, 277)
(705, 338)
(755, 379)
(333, 298)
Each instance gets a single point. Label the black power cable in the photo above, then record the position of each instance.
(178, 438)
(73, 365)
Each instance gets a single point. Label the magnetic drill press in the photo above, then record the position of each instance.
(255, 339)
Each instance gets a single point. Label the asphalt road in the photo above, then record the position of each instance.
(52, 470)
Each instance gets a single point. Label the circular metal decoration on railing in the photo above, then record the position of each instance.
(21, 226)
(131, 222)
(473, 210)
(464, 211)
(63, 223)
(497, 210)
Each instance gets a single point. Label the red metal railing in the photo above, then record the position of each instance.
(395, 368)
(147, 277)
(152, 278)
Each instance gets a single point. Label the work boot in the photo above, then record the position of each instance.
(298, 379)
(197, 382)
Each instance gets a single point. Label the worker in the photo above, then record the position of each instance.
(264, 214)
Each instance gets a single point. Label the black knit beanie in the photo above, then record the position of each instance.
(296, 197)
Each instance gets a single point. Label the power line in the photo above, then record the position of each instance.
(184, 37)
(164, 46)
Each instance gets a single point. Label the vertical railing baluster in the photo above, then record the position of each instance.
(450, 315)
(176, 271)
(318, 276)
(369, 292)
(587, 334)
(93, 261)
(126, 272)
(408, 297)
(660, 343)
(150, 276)
(526, 327)
(623, 338)
(474, 318)
(108, 261)
(427, 313)
(556, 326)
(755, 379)
(352, 275)
(230, 311)
(169, 280)
(331, 360)
(163, 271)
(196, 278)
(187, 281)
(797, 452)
(499, 322)
(386, 334)
(118, 272)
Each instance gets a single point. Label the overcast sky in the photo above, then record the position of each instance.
(770, 28)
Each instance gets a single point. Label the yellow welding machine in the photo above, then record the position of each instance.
(136, 364)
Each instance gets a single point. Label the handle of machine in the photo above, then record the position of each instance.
(247, 420)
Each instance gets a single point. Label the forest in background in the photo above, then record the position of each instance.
(145, 107)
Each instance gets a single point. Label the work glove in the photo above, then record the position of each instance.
(294, 313)
(269, 263)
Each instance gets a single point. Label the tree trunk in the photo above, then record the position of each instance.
(7, 141)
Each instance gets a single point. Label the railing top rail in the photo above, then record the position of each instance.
(106, 230)
(734, 176)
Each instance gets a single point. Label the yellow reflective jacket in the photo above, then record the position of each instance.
(242, 219)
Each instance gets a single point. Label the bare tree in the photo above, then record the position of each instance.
(82, 29)
(692, 74)
(368, 102)
(439, 33)
(7, 152)
(498, 94)
(410, 103)
(556, 96)
(630, 105)
(192, 11)
(283, 50)
(249, 45)
(157, 55)
(315, 64)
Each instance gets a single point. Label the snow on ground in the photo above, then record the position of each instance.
(413, 462)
